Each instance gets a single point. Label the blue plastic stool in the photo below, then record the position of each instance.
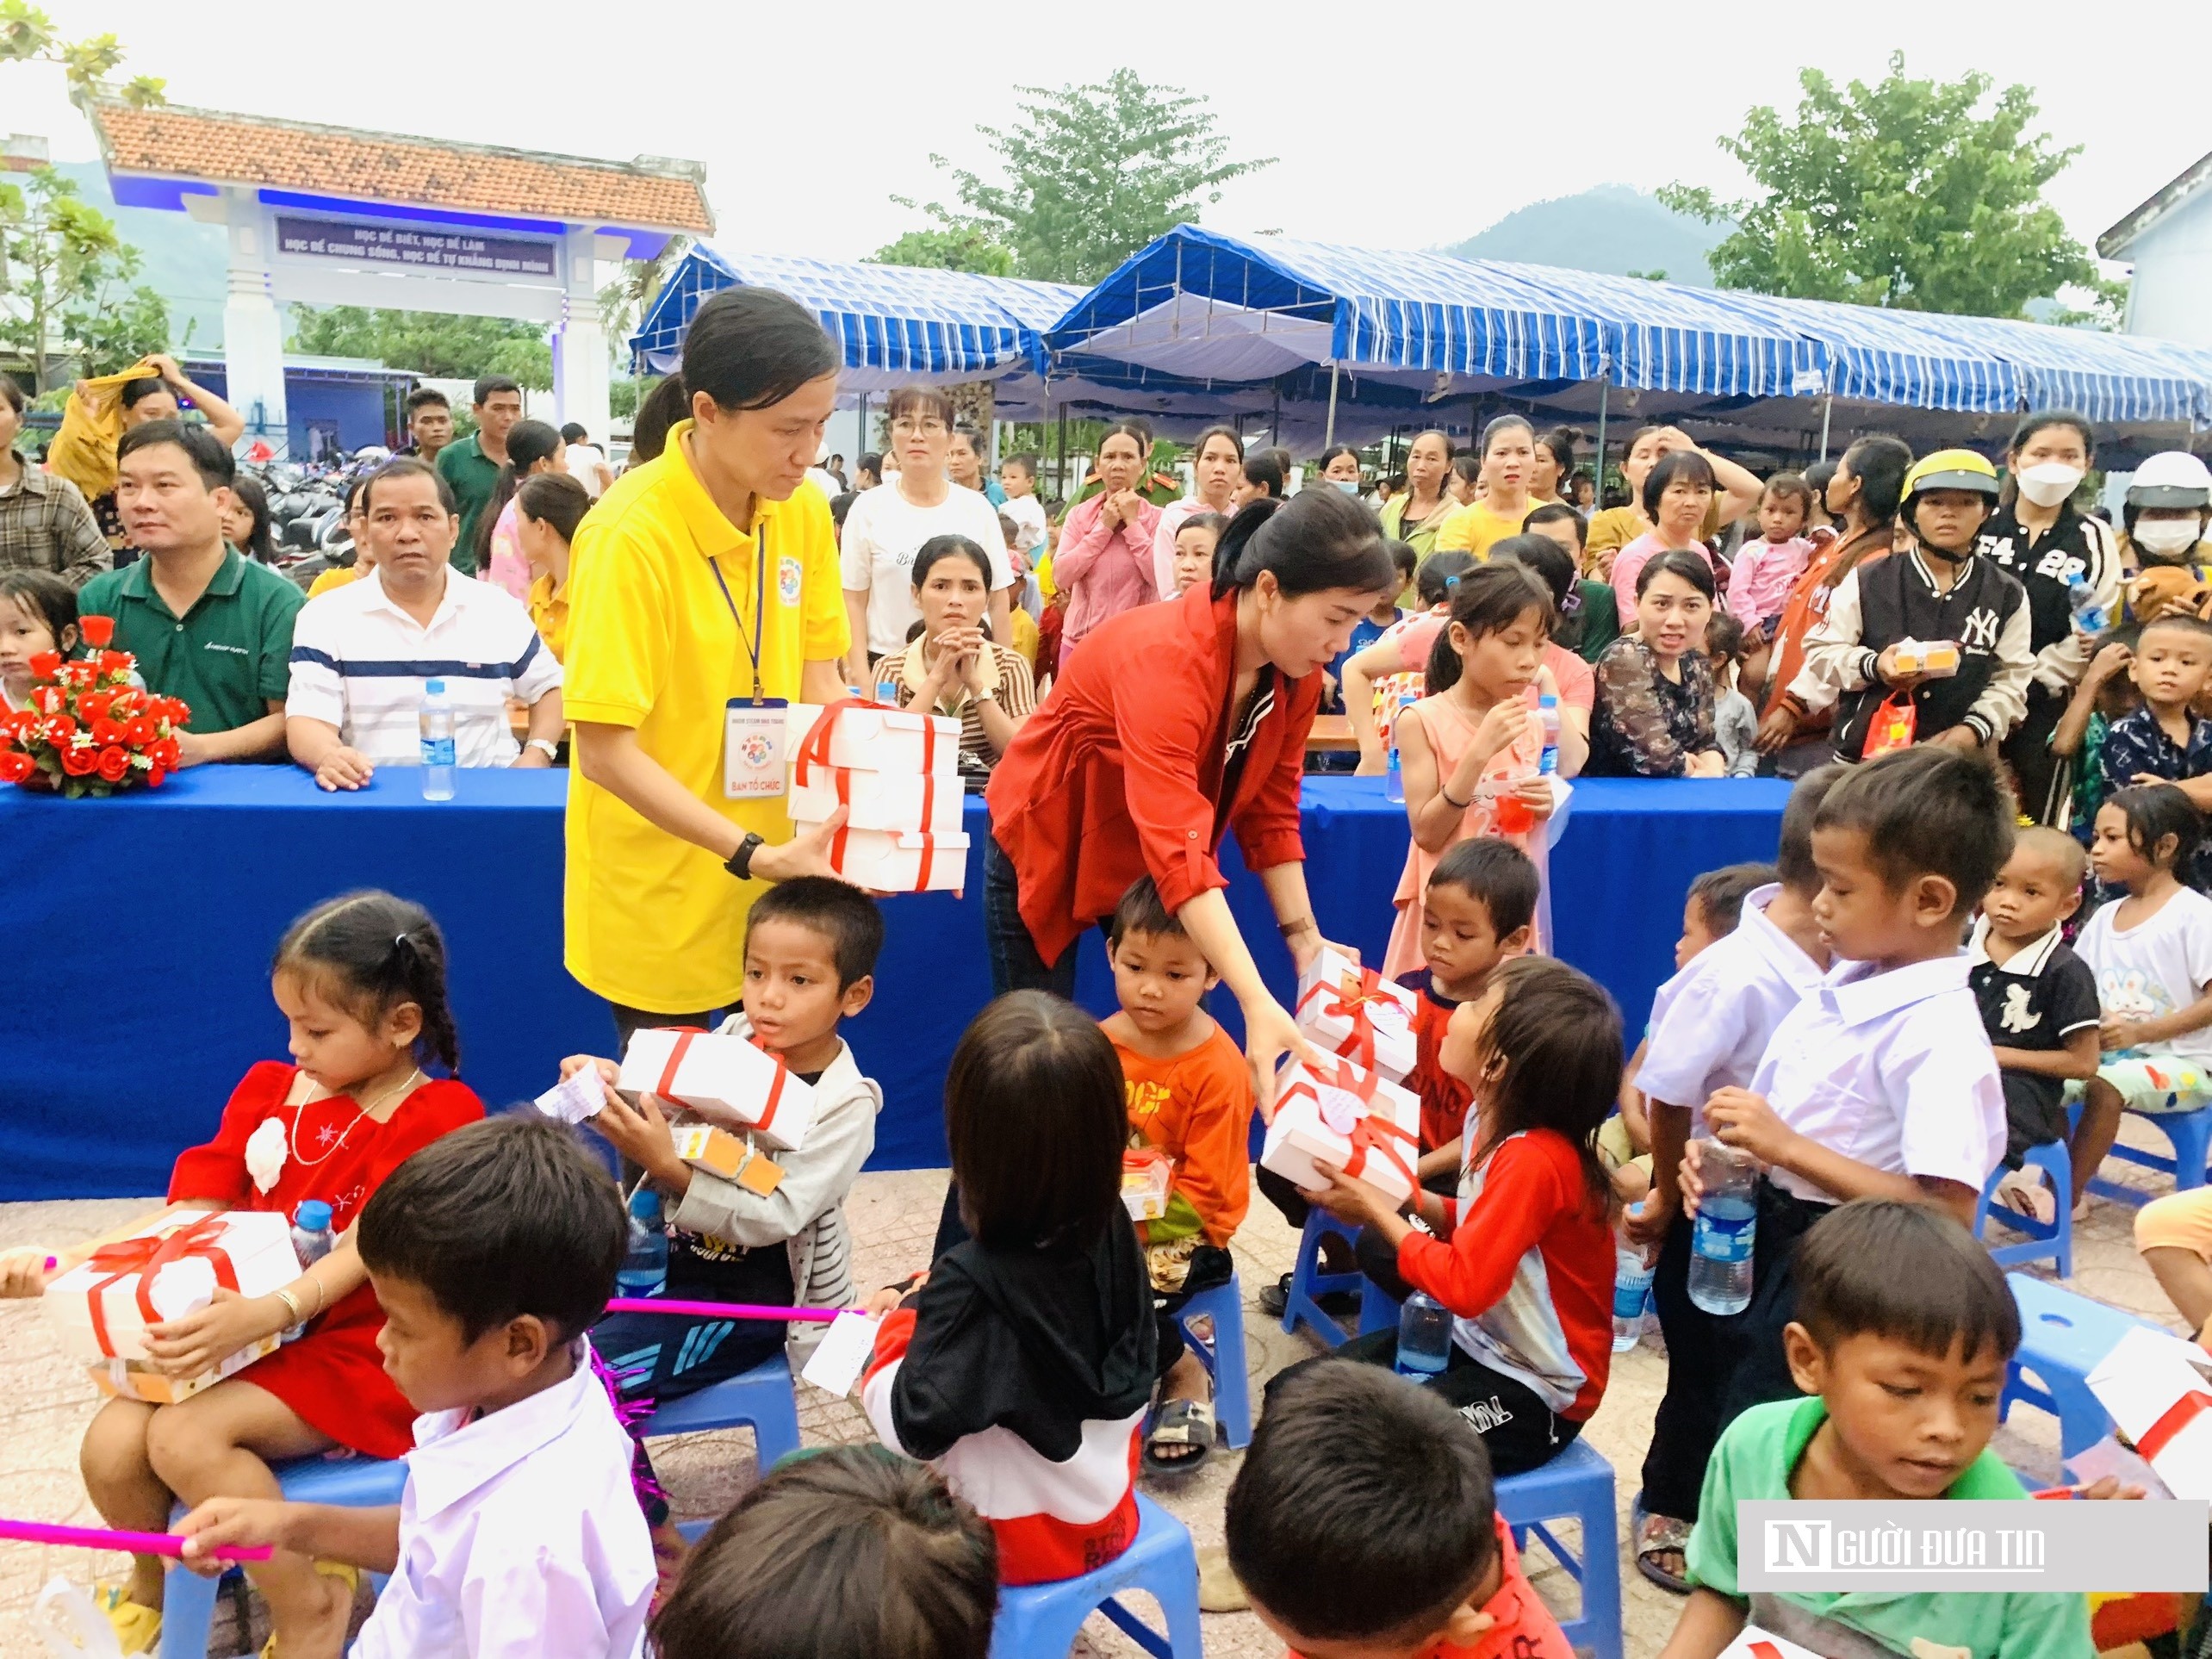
(1308, 1283)
(2062, 1338)
(1378, 1308)
(762, 1400)
(1041, 1621)
(2054, 1240)
(188, 1600)
(1577, 1484)
(2191, 1135)
(1224, 1305)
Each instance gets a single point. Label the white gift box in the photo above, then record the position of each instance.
(2157, 1399)
(1145, 1178)
(1756, 1643)
(1318, 1119)
(901, 802)
(101, 1308)
(901, 861)
(1372, 1018)
(725, 1080)
(869, 739)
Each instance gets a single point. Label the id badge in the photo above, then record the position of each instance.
(753, 749)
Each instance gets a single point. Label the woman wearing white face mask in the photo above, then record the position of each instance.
(2168, 513)
(1340, 468)
(2039, 537)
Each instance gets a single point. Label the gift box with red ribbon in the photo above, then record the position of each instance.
(101, 1308)
(2158, 1400)
(726, 1081)
(1146, 1175)
(859, 735)
(1355, 1013)
(1348, 1118)
(896, 774)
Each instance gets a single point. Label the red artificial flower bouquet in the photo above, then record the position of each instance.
(89, 731)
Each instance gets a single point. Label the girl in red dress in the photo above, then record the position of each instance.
(362, 981)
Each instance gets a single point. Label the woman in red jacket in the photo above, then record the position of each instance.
(1176, 722)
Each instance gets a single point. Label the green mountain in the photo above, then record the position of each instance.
(1611, 228)
(185, 262)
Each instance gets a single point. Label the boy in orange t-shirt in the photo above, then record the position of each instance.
(1190, 1101)
(1364, 1524)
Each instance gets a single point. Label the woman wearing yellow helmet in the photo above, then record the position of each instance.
(1939, 590)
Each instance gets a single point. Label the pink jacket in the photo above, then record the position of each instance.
(1104, 570)
(1759, 586)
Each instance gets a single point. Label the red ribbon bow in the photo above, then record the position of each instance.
(1371, 1133)
(2174, 1419)
(667, 1086)
(146, 1256)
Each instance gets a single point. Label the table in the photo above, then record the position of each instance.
(1331, 735)
(136, 991)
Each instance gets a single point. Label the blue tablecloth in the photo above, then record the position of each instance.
(135, 979)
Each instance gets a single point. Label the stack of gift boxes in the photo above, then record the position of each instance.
(897, 774)
(168, 1268)
(1351, 1112)
(733, 1087)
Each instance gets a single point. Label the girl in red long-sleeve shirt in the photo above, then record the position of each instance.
(1523, 1258)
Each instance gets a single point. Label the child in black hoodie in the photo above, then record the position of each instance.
(1022, 1363)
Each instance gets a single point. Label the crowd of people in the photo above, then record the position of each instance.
(1939, 656)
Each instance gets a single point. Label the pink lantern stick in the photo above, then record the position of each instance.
(720, 1309)
(138, 1544)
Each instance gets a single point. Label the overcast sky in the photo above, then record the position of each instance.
(1415, 131)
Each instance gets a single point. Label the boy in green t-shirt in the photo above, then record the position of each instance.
(1903, 1330)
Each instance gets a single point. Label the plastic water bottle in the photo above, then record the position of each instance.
(437, 743)
(1424, 1336)
(1631, 1294)
(1727, 1225)
(886, 686)
(312, 1241)
(1394, 779)
(1547, 716)
(2088, 614)
(645, 1266)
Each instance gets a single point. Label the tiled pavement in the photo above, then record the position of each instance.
(44, 1409)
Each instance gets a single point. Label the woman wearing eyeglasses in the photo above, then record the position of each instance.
(886, 526)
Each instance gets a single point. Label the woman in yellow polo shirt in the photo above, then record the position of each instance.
(704, 577)
(1508, 454)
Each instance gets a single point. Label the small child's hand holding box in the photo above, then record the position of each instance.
(2159, 1399)
(725, 1080)
(1355, 1013)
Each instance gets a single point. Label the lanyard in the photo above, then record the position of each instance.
(760, 603)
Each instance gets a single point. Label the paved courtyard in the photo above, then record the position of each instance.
(44, 1409)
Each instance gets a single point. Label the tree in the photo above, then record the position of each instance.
(71, 278)
(1093, 173)
(968, 247)
(623, 302)
(1908, 194)
(431, 344)
(27, 35)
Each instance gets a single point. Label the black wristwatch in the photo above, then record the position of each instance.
(740, 863)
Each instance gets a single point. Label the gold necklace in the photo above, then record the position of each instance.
(360, 1113)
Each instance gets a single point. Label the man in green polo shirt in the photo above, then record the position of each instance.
(472, 466)
(205, 623)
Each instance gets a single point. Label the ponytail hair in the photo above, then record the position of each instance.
(1438, 575)
(1320, 539)
(368, 953)
(665, 404)
(529, 442)
(555, 499)
(1487, 600)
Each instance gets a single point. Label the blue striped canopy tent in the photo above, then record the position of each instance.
(1220, 309)
(898, 324)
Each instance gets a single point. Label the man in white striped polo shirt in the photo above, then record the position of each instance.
(362, 655)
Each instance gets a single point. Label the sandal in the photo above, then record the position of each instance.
(2026, 1196)
(1657, 1536)
(1187, 1423)
(138, 1627)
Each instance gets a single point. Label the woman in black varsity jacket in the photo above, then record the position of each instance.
(1940, 590)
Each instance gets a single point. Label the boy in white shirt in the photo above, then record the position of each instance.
(1881, 1082)
(491, 1250)
(1710, 1027)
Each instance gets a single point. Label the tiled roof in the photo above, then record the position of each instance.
(172, 141)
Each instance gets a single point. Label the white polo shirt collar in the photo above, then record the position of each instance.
(2028, 963)
(454, 1457)
(1859, 993)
